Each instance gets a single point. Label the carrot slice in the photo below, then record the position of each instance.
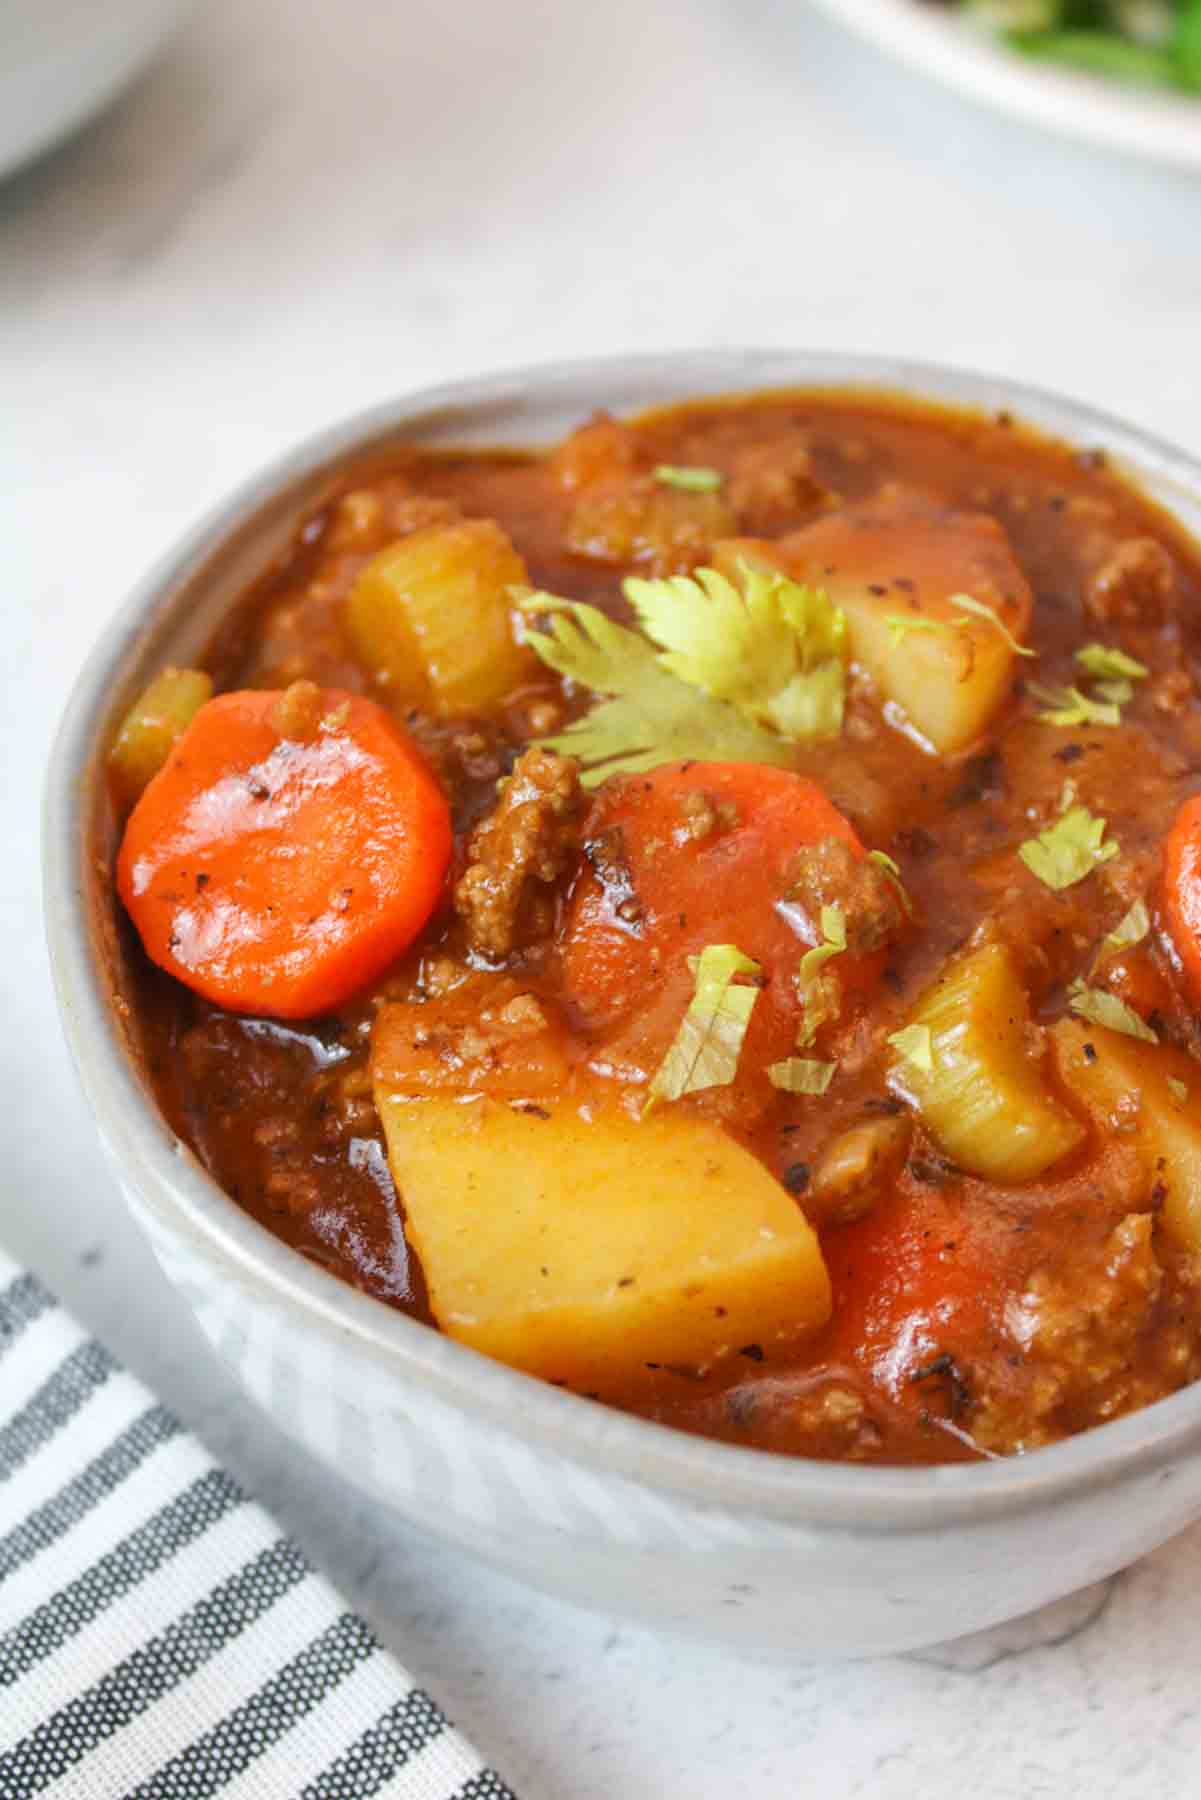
(687, 855)
(288, 850)
(1182, 890)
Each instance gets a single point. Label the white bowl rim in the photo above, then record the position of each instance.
(170, 1178)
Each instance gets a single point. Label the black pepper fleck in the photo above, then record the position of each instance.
(944, 1366)
(983, 778)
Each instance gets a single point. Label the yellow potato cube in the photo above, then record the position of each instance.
(590, 1251)
(896, 571)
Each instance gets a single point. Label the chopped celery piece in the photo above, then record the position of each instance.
(983, 1098)
(706, 1048)
(431, 618)
(153, 725)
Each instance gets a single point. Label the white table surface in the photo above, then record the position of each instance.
(305, 207)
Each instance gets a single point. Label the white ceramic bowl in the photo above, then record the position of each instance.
(765, 1552)
(62, 60)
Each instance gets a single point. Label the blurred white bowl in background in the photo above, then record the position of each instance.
(62, 60)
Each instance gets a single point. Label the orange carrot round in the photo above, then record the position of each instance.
(1182, 890)
(926, 1273)
(667, 880)
(288, 850)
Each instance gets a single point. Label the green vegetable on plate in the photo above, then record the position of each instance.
(1142, 43)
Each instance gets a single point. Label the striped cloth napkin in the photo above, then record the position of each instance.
(159, 1638)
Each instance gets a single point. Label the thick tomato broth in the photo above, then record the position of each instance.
(968, 1318)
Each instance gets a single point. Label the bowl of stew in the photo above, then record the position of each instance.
(633, 935)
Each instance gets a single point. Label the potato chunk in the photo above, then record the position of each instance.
(895, 568)
(1124, 1083)
(153, 725)
(985, 1101)
(593, 1251)
(488, 1035)
(430, 616)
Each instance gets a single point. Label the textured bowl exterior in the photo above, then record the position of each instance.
(773, 1555)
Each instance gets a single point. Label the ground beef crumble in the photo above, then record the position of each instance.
(1085, 1325)
(1137, 582)
(519, 852)
(829, 874)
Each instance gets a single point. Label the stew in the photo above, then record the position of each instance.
(710, 915)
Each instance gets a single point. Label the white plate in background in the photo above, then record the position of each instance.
(1149, 122)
